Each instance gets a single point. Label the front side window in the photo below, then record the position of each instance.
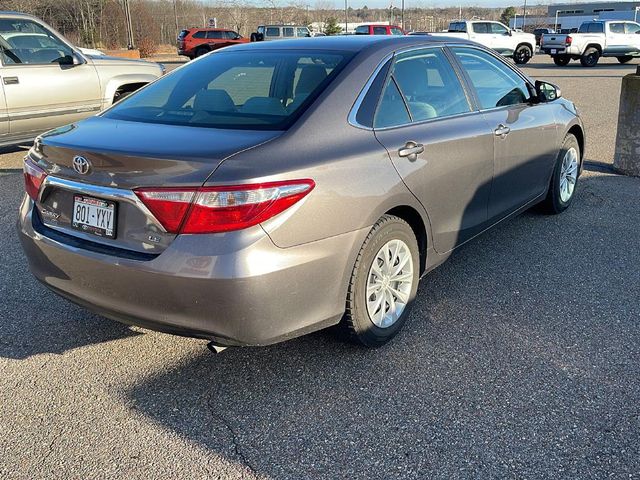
(633, 28)
(616, 27)
(379, 30)
(496, 84)
(498, 29)
(27, 42)
(273, 31)
(429, 85)
(230, 35)
(303, 32)
(263, 90)
(396, 31)
(287, 31)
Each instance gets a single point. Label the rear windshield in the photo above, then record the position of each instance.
(457, 27)
(260, 89)
(183, 34)
(591, 27)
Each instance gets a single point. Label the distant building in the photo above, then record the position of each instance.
(571, 15)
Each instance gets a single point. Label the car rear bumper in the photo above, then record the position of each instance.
(237, 288)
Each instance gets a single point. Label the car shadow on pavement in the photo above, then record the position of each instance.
(34, 320)
(517, 358)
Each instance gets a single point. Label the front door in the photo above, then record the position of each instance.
(525, 133)
(440, 147)
(43, 87)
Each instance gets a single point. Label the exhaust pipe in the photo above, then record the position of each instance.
(215, 348)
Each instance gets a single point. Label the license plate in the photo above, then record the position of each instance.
(553, 50)
(94, 215)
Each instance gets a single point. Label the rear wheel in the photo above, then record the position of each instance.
(384, 282)
(201, 51)
(590, 57)
(625, 58)
(522, 54)
(564, 178)
(561, 60)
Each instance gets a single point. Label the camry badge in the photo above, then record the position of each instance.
(81, 165)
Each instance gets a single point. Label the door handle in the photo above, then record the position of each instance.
(411, 150)
(10, 80)
(502, 131)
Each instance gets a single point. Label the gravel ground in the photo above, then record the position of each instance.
(520, 360)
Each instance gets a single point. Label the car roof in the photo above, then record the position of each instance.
(353, 43)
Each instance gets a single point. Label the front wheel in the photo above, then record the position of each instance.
(625, 58)
(564, 178)
(561, 60)
(522, 54)
(590, 57)
(383, 283)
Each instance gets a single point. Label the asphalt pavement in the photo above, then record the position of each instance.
(521, 360)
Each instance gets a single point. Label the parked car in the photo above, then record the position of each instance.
(280, 32)
(538, 32)
(47, 82)
(195, 42)
(275, 189)
(611, 38)
(378, 30)
(510, 43)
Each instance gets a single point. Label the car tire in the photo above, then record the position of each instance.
(373, 299)
(522, 54)
(561, 60)
(201, 51)
(253, 37)
(590, 57)
(625, 58)
(565, 177)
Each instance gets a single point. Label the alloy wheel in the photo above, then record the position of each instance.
(568, 174)
(389, 283)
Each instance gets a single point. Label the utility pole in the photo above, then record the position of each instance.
(127, 16)
(524, 15)
(402, 15)
(346, 16)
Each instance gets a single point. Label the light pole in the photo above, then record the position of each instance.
(635, 14)
(402, 15)
(555, 25)
(127, 16)
(175, 14)
(524, 15)
(515, 21)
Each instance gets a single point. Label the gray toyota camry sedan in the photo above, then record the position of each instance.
(272, 189)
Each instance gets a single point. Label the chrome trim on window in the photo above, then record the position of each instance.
(116, 194)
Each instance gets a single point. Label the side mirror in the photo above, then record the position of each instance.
(71, 59)
(547, 92)
(510, 33)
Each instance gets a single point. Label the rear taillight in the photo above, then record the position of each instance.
(33, 178)
(568, 40)
(221, 209)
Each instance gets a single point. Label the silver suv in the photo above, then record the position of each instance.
(47, 82)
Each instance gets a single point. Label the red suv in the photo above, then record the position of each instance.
(197, 41)
(379, 30)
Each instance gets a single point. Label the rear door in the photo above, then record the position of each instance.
(41, 90)
(439, 144)
(524, 133)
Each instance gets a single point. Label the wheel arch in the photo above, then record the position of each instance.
(120, 81)
(577, 132)
(415, 221)
(526, 44)
(593, 45)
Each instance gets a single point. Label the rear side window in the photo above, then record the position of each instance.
(392, 110)
(429, 85)
(495, 83)
(200, 34)
(458, 27)
(215, 34)
(481, 27)
(263, 90)
(287, 32)
(379, 30)
(362, 30)
(591, 27)
(273, 32)
(616, 27)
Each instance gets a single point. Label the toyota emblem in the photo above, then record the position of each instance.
(81, 165)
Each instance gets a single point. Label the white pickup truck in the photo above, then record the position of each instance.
(510, 43)
(595, 39)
